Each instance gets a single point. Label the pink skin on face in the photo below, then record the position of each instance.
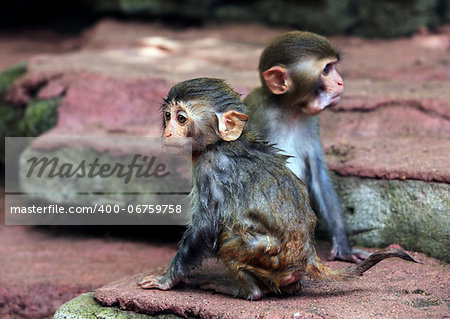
(330, 92)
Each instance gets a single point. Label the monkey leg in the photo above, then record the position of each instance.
(292, 289)
(241, 282)
(261, 244)
(244, 284)
(331, 211)
(223, 285)
(351, 255)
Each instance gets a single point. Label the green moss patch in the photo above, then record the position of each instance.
(86, 307)
(8, 76)
(41, 115)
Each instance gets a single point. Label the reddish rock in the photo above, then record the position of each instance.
(395, 141)
(392, 289)
(112, 104)
(23, 88)
(41, 268)
(36, 301)
(19, 45)
(432, 107)
(393, 122)
(96, 101)
(52, 89)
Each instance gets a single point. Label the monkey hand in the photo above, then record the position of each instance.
(158, 282)
(350, 254)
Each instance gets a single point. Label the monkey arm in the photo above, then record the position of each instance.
(328, 205)
(198, 242)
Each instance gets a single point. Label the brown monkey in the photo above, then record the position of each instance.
(248, 209)
(299, 80)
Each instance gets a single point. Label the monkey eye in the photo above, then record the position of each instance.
(327, 69)
(181, 118)
(167, 116)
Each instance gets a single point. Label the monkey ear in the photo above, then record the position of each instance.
(231, 125)
(276, 79)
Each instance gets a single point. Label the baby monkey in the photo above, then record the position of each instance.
(299, 80)
(248, 209)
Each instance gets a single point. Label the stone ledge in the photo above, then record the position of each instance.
(414, 214)
(86, 307)
(387, 290)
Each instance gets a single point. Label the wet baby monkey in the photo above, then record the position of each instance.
(248, 209)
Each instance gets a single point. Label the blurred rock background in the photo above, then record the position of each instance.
(370, 18)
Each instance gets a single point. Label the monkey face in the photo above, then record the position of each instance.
(298, 70)
(310, 85)
(329, 90)
(196, 119)
(177, 122)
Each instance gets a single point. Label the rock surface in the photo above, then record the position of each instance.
(413, 213)
(392, 124)
(41, 267)
(395, 103)
(86, 307)
(370, 296)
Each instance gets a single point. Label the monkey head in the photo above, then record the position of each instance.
(299, 69)
(204, 109)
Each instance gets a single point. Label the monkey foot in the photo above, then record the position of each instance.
(156, 282)
(354, 256)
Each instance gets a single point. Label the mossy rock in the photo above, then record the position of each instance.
(8, 76)
(41, 115)
(11, 117)
(190, 8)
(309, 15)
(387, 18)
(445, 11)
(372, 18)
(86, 307)
(414, 214)
(11, 124)
(11, 121)
(38, 116)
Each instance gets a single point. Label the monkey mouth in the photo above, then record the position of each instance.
(335, 99)
(177, 145)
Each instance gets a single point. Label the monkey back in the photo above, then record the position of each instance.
(261, 208)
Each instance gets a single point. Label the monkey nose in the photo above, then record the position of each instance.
(168, 135)
(340, 83)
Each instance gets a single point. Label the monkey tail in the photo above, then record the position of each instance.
(320, 271)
